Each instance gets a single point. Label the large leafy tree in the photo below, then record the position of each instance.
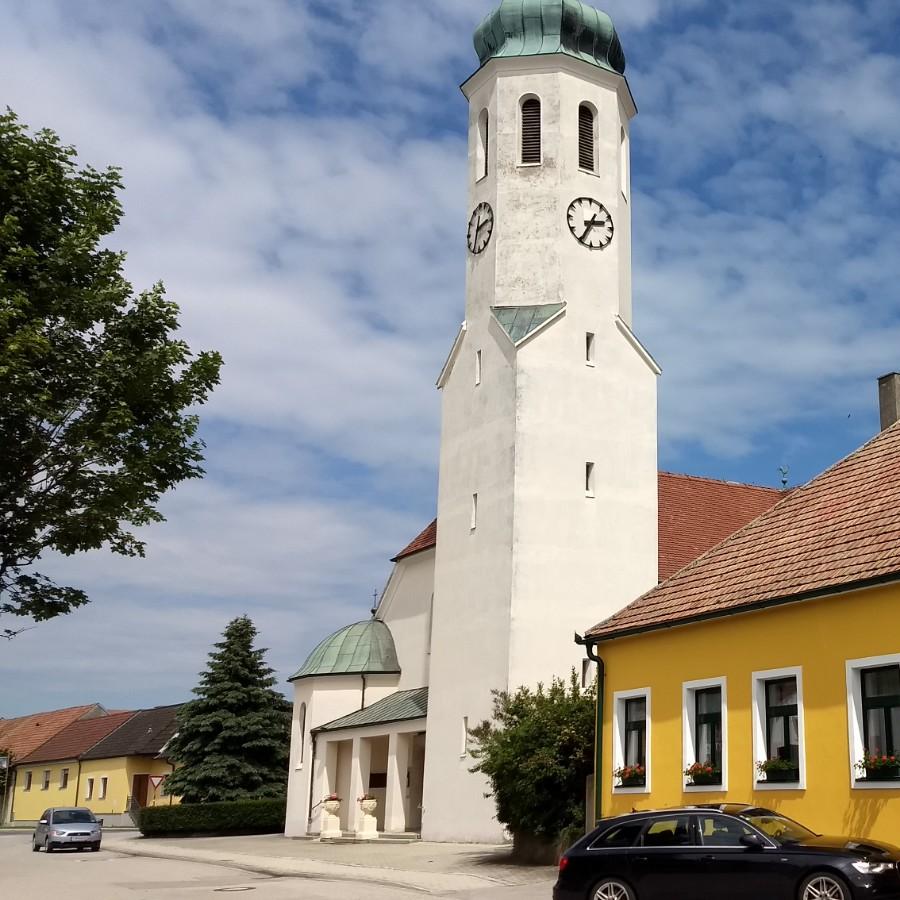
(233, 740)
(95, 389)
(537, 752)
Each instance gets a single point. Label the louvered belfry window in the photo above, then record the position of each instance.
(586, 137)
(531, 130)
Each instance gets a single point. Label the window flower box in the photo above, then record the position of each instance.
(701, 774)
(778, 771)
(631, 776)
(876, 767)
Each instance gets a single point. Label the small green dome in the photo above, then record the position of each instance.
(535, 27)
(366, 648)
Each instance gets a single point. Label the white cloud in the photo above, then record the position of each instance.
(299, 184)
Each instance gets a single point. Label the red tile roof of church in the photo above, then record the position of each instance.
(695, 514)
(838, 532)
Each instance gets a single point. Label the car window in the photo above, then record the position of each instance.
(722, 831)
(72, 816)
(622, 835)
(46, 814)
(780, 829)
(672, 831)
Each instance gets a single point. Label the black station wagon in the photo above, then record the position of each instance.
(727, 852)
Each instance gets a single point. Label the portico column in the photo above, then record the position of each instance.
(397, 771)
(359, 781)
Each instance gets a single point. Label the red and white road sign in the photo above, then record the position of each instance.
(157, 780)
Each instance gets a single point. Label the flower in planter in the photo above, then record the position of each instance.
(704, 773)
(331, 798)
(365, 797)
(631, 775)
(878, 763)
(776, 765)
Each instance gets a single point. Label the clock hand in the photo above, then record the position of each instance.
(589, 227)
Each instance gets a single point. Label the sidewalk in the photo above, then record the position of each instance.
(424, 867)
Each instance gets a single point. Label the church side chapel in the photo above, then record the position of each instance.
(551, 508)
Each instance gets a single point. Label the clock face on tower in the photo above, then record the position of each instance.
(590, 223)
(481, 226)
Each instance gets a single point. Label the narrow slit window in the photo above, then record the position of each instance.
(464, 738)
(474, 523)
(45, 784)
(477, 367)
(589, 348)
(63, 779)
(586, 119)
(103, 783)
(624, 163)
(89, 789)
(589, 479)
(531, 131)
(28, 778)
(481, 152)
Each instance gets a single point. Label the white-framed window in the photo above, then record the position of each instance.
(624, 162)
(587, 140)
(29, 776)
(530, 144)
(477, 368)
(45, 783)
(873, 719)
(705, 733)
(89, 789)
(481, 145)
(631, 738)
(104, 781)
(63, 779)
(590, 348)
(778, 729)
(474, 520)
(588, 479)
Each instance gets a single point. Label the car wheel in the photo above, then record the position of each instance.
(35, 846)
(824, 886)
(48, 846)
(612, 889)
(95, 847)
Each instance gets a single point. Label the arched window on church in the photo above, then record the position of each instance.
(531, 131)
(481, 151)
(301, 732)
(586, 123)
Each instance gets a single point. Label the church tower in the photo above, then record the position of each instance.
(547, 501)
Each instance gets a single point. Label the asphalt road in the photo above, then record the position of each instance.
(82, 875)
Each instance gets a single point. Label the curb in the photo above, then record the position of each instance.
(419, 882)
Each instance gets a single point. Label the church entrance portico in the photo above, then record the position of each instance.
(386, 763)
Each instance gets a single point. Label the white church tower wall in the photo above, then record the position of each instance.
(547, 504)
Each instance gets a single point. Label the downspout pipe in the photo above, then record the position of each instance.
(590, 649)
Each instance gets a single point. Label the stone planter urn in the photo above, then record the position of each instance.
(368, 824)
(331, 819)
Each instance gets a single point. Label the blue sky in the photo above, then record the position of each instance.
(295, 174)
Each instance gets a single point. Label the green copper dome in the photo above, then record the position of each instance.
(366, 648)
(535, 27)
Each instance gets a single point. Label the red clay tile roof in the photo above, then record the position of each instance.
(25, 734)
(76, 739)
(840, 530)
(144, 734)
(425, 541)
(695, 514)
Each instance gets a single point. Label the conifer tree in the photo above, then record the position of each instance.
(233, 740)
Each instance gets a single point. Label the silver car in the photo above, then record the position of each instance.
(67, 826)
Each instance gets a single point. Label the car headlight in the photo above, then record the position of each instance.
(872, 868)
(59, 833)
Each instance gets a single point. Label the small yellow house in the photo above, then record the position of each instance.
(110, 764)
(768, 670)
(51, 774)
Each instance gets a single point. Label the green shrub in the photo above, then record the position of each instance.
(231, 817)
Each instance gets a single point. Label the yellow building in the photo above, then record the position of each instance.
(110, 764)
(771, 664)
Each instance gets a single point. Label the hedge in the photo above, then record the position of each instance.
(232, 817)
